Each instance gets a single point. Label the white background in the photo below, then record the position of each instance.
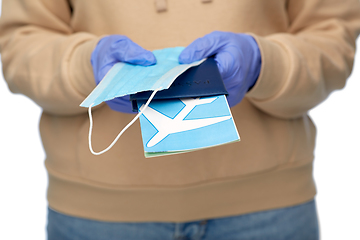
(23, 179)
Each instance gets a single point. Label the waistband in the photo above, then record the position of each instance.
(278, 188)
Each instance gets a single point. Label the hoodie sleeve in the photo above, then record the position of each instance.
(42, 56)
(302, 67)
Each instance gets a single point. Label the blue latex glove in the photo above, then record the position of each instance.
(117, 48)
(237, 56)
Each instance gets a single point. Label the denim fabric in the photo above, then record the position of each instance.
(294, 223)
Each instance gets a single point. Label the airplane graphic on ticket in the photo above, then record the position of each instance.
(181, 125)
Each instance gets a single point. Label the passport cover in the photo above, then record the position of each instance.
(198, 81)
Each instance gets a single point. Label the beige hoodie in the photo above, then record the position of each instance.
(307, 49)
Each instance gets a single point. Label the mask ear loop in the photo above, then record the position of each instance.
(122, 131)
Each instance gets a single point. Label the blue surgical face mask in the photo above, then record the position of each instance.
(125, 79)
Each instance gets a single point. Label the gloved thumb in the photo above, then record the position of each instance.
(125, 50)
(201, 48)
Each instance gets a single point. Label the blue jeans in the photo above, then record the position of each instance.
(298, 222)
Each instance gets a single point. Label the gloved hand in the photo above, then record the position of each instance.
(116, 48)
(237, 56)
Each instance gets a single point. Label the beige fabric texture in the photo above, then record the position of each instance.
(307, 49)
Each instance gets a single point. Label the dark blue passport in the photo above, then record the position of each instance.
(200, 81)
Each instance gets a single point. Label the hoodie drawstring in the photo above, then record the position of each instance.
(161, 5)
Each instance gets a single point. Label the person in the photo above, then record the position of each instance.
(278, 59)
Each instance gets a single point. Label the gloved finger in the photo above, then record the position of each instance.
(229, 63)
(203, 47)
(103, 71)
(125, 50)
(121, 104)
